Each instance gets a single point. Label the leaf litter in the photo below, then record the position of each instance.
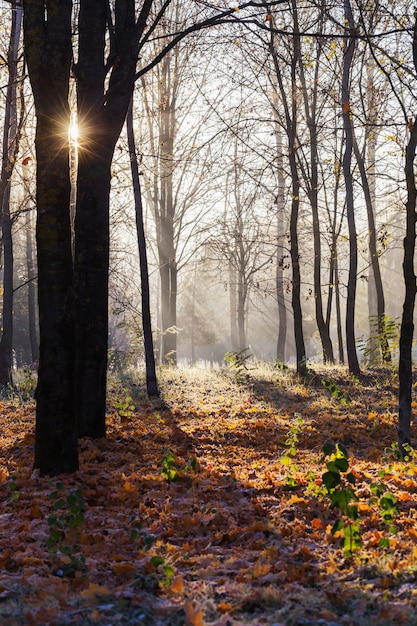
(187, 513)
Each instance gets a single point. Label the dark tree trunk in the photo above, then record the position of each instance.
(290, 110)
(407, 323)
(49, 53)
(347, 162)
(6, 341)
(100, 119)
(312, 181)
(33, 336)
(9, 153)
(151, 380)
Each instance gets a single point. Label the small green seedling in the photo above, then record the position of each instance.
(138, 534)
(13, 487)
(166, 571)
(169, 467)
(339, 483)
(288, 455)
(335, 391)
(238, 362)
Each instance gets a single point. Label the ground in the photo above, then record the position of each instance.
(212, 507)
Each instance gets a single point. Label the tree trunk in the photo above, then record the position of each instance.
(279, 271)
(347, 173)
(10, 149)
(310, 107)
(100, 119)
(233, 307)
(91, 266)
(6, 341)
(49, 54)
(33, 337)
(376, 270)
(407, 323)
(151, 380)
(167, 252)
(290, 110)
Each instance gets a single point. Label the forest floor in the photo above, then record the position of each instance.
(209, 507)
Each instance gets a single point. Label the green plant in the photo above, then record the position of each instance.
(191, 466)
(389, 509)
(165, 570)
(394, 453)
(385, 336)
(169, 467)
(338, 483)
(238, 362)
(336, 392)
(13, 487)
(138, 534)
(64, 528)
(280, 365)
(125, 407)
(287, 456)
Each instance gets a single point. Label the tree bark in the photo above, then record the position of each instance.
(10, 150)
(100, 119)
(6, 342)
(151, 380)
(279, 272)
(407, 323)
(291, 130)
(30, 264)
(234, 337)
(350, 211)
(376, 270)
(310, 107)
(47, 36)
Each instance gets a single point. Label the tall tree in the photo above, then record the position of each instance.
(350, 45)
(11, 134)
(290, 106)
(151, 380)
(109, 43)
(405, 365)
(48, 48)
(311, 108)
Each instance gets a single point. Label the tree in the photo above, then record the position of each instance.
(290, 105)
(312, 110)
(151, 380)
(47, 39)
(347, 161)
(105, 72)
(175, 170)
(11, 136)
(405, 366)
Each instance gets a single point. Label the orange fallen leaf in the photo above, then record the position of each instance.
(94, 589)
(317, 523)
(224, 607)
(193, 617)
(177, 585)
